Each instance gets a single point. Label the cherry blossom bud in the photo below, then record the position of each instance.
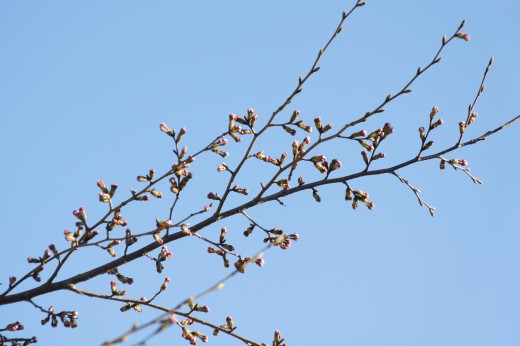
(163, 224)
(318, 158)
(113, 189)
(203, 308)
(436, 124)
(428, 145)
(421, 133)
(462, 36)
(102, 186)
(361, 133)
(462, 127)
(183, 152)
(294, 236)
(318, 123)
(104, 197)
(300, 181)
(295, 146)
(367, 146)
(165, 128)
(181, 133)
(434, 112)
(156, 193)
(52, 247)
(472, 117)
(213, 196)
(211, 250)
(164, 286)
(304, 127)
(334, 164)
(12, 280)
(365, 157)
(321, 167)
(113, 287)
(80, 214)
(282, 158)
(284, 184)
(141, 179)
(326, 128)
(222, 167)
(250, 112)
(223, 232)
(260, 262)
(294, 115)
(442, 164)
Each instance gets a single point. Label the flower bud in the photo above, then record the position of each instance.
(164, 286)
(472, 117)
(304, 127)
(102, 186)
(295, 146)
(462, 36)
(365, 157)
(164, 128)
(113, 189)
(421, 133)
(289, 130)
(181, 133)
(213, 196)
(334, 164)
(428, 145)
(434, 111)
(436, 124)
(318, 123)
(295, 115)
(104, 197)
(462, 127)
(284, 184)
(326, 128)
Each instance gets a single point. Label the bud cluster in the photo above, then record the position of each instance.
(117, 220)
(67, 318)
(358, 196)
(164, 128)
(164, 255)
(219, 142)
(248, 120)
(423, 134)
(266, 158)
(299, 124)
(123, 279)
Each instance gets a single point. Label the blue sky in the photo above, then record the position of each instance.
(85, 85)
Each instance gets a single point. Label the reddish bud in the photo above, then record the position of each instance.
(472, 117)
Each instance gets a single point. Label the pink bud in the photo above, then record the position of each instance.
(164, 128)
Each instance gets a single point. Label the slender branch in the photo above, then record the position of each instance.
(74, 289)
(416, 191)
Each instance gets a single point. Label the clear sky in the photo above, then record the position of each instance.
(84, 86)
